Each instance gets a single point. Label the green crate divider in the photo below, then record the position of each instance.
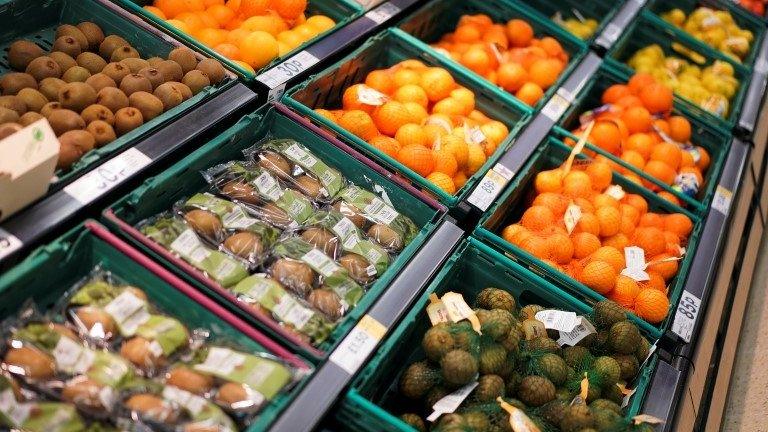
(158, 194)
(439, 17)
(341, 11)
(326, 89)
(648, 29)
(714, 140)
(741, 16)
(598, 10)
(368, 406)
(71, 258)
(37, 22)
(510, 207)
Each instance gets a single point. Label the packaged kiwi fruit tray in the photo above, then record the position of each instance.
(184, 179)
(375, 402)
(438, 18)
(38, 22)
(647, 30)
(584, 19)
(326, 89)
(341, 11)
(73, 257)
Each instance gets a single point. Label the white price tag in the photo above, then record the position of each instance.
(451, 402)
(722, 200)
(113, 172)
(382, 13)
(611, 32)
(635, 262)
(582, 329)
(572, 217)
(490, 187)
(555, 108)
(761, 66)
(558, 320)
(616, 192)
(276, 77)
(9, 243)
(221, 361)
(685, 316)
(358, 344)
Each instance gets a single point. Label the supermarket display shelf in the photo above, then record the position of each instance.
(57, 212)
(747, 124)
(618, 24)
(333, 377)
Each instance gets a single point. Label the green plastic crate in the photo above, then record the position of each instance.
(158, 194)
(648, 29)
(74, 255)
(510, 207)
(373, 403)
(325, 90)
(600, 11)
(715, 141)
(341, 11)
(741, 16)
(439, 17)
(37, 22)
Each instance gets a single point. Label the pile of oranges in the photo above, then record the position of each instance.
(610, 221)
(509, 55)
(422, 118)
(250, 32)
(636, 124)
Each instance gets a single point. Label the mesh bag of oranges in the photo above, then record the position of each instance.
(604, 237)
(636, 123)
(421, 117)
(251, 33)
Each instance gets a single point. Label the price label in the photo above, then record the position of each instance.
(761, 66)
(9, 243)
(276, 77)
(358, 344)
(113, 172)
(685, 316)
(382, 13)
(611, 32)
(722, 200)
(555, 108)
(490, 187)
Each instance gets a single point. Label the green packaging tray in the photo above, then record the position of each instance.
(37, 22)
(341, 11)
(714, 140)
(741, 17)
(648, 29)
(326, 89)
(600, 11)
(74, 255)
(370, 404)
(510, 207)
(158, 194)
(438, 17)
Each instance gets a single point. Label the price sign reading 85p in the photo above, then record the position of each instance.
(685, 316)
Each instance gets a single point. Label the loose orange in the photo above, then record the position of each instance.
(519, 33)
(460, 179)
(679, 129)
(633, 158)
(258, 49)
(640, 81)
(614, 93)
(289, 9)
(545, 72)
(668, 153)
(607, 136)
(657, 98)
(661, 171)
(641, 143)
(220, 13)
(637, 119)
(704, 160)
(249, 8)
(530, 93)
(477, 59)
(156, 11)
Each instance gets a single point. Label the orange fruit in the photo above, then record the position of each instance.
(511, 231)
(467, 33)
(652, 305)
(626, 226)
(651, 220)
(233, 4)
(668, 196)
(258, 49)
(460, 179)
(352, 99)
(380, 80)
(600, 174)
(416, 112)
(560, 248)
(449, 106)
(519, 33)
(289, 9)
(615, 92)
(437, 83)
(405, 76)
(442, 181)
(551, 46)
(390, 117)
(545, 72)
(156, 11)
(359, 123)
(704, 160)
(625, 291)
(235, 36)
(607, 136)
(588, 223)
(603, 200)
(475, 158)
(619, 241)
(636, 201)
(549, 181)
(209, 3)
(411, 134)
(536, 245)
(637, 119)
(634, 159)
(417, 158)
(495, 131)
(584, 244)
(481, 21)
(657, 98)
(640, 81)
(530, 93)
(477, 59)
(668, 153)
(679, 129)
(686, 160)
(387, 145)
(641, 143)
(609, 219)
(679, 224)
(445, 162)
(628, 102)
(179, 25)
(171, 8)
(228, 50)
(655, 281)
(599, 275)
(511, 76)
(660, 171)
(411, 93)
(412, 64)
(211, 37)
(245, 66)
(249, 8)
(577, 184)
(585, 204)
(555, 202)
(266, 23)
(651, 240)
(457, 147)
(630, 212)
(220, 13)
(667, 269)
(465, 97)
(538, 218)
(320, 23)
(611, 255)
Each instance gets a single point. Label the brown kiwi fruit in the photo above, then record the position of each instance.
(102, 132)
(213, 69)
(34, 99)
(97, 112)
(204, 222)
(153, 75)
(50, 87)
(327, 302)
(29, 118)
(134, 64)
(8, 115)
(81, 139)
(135, 83)
(43, 67)
(149, 406)
(295, 275)
(93, 34)
(22, 52)
(351, 213)
(34, 363)
(154, 61)
(68, 155)
(67, 45)
(184, 57)
(12, 83)
(49, 108)
(169, 95)
(116, 71)
(8, 129)
(110, 44)
(112, 98)
(76, 74)
(275, 163)
(357, 267)
(64, 60)
(190, 380)
(186, 92)
(84, 392)
(196, 80)
(64, 120)
(321, 239)
(91, 61)
(76, 33)
(245, 245)
(99, 81)
(127, 119)
(149, 105)
(124, 52)
(76, 96)
(15, 103)
(171, 70)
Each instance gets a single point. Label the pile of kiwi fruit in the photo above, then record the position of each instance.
(94, 88)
